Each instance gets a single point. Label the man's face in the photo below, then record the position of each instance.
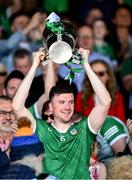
(85, 37)
(62, 107)
(20, 23)
(12, 87)
(99, 29)
(23, 64)
(122, 18)
(7, 117)
(127, 82)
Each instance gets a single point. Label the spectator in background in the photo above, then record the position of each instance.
(8, 127)
(128, 148)
(126, 77)
(129, 126)
(13, 7)
(85, 37)
(22, 60)
(12, 83)
(120, 168)
(93, 14)
(19, 21)
(3, 76)
(112, 139)
(122, 39)
(101, 32)
(105, 8)
(86, 99)
(26, 147)
(22, 28)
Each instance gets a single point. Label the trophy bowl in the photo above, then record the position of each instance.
(60, 52)
(60, 49)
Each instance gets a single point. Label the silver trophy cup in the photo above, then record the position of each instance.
(60, 46)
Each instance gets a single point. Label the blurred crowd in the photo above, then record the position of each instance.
(105, 28)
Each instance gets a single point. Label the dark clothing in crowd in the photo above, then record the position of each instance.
(37, 89)
(126, 151)
(14, 171)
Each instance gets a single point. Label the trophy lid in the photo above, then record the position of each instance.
(69, 35)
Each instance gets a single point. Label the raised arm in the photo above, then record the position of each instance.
(49, 82)
(22, 92)
(99, 112)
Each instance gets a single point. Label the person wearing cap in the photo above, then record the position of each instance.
(67, 146)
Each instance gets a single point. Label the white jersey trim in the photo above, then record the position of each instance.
(90, 127)
(38, 116)
(119, 137)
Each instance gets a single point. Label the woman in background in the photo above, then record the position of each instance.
(86, 99)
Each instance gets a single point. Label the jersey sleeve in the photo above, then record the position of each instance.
(113, 130)
(89, 130)
(33, 109)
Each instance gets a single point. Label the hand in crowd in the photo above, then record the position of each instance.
(129, 126)
(7, 139)
(14, 127)
(35, 20)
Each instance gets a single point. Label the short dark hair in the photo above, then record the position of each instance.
(6, 98)
(20, 53)
(17, 14)
(121, 6)
(14, 74)
(60, 89)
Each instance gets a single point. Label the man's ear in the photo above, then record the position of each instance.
(50, 107)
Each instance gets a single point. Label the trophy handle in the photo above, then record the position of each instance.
(46, 58)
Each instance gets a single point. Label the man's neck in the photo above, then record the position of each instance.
(99, 42)
(123, 33)
(5, 135)
(61, 127)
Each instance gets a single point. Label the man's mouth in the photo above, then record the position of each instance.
(66, 113)
(7, 123)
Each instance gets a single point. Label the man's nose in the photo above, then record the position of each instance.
(67, 107)
(8, 116)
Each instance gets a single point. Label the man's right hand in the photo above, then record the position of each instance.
(38, 57)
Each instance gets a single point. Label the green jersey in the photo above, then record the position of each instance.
(112, 130)
(67, 155)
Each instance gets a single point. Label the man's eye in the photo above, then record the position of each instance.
(61, 102)
(71, 102)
